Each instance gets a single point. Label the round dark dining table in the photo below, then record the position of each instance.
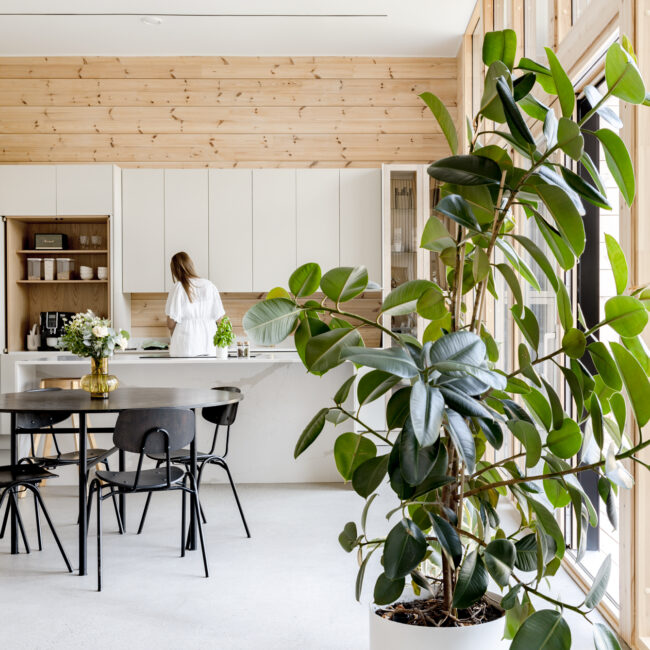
(123, 399)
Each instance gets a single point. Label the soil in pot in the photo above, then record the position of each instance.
(431, 612)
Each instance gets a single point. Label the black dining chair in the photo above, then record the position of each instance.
(46, 421)
(145, 432)
(27, 476)
(220, 416)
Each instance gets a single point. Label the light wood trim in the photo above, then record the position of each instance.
(197, 67)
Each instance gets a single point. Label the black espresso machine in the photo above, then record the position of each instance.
(52, 324)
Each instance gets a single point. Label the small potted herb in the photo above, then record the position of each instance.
(223, 337)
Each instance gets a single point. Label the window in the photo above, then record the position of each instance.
(538, 28)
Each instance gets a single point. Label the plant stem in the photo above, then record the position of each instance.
(346, 314)
(548, 357)
(532, 590)
(363, 424)
(497, 464)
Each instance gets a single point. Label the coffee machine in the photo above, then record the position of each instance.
(52, 326)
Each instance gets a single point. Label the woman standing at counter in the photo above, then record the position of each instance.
(193, 309)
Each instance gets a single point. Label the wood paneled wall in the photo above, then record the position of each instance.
(222, 111)
(148, 313)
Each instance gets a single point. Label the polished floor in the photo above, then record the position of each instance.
(289, 587)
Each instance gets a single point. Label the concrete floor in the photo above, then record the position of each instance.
(290, 587)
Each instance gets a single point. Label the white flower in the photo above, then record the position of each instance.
(100, 331)
(122, 341)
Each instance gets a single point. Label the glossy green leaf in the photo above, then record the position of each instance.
(404, 298)
(619, 162)
(444, 119)
(500, 555)
(564, 310)
(510, 277)
(549, 525)
(323, 352)
(528, 326)
(305, 280)
(618, 263)
(574, 343)
(523, 85)
(368, 476)
(516, 123)
(570, 138)
(594, 98)
(500, 46)
(565, 215)
(374, 384)
(278, 292)
(543, 630)
(566, 441)
(563, 84)
(465, 170)
(456, 208)
(529, 437)
(526, 553)
(626, 315)
(404, 549)
(556, 493)
(605, 365)
(472, 581)
(478, 197)
(533, 107)
(462, 346)
(588, 164)
(311, 432)
(448, 538)
(431, 305)
(387, 591)
(416, 461)
(599, 584)
(544, 76)
(462, 438)
(307, 328)
(344, 283)
(344, 390)
(393, 360)
(540, 258)
(604, 638)
(427, 410)
(397, 409)
(350, 450)
(622, 75)
(361, 574)
(638, 348)
(348, 538)
(585, 189)
(636, 382)
(435, 236)
(269, 322)
(560, 250)
(539, 404)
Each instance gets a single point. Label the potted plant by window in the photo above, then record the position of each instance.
(87, 335)
(223, 337)
(451, 404)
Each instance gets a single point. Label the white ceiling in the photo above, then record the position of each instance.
(220, 27)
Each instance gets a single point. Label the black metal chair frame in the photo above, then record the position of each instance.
(111, 480)
(219, 416)
(30, 484)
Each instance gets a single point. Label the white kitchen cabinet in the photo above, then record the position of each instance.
(360, 220)
(84, 189)
(186, 218)
(231, 229)
(28, 190)
(317, 217)
(143, 231)
(274, 227)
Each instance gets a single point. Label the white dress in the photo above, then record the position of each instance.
(196, 320)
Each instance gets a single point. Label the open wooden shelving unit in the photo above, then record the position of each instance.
(26, 299)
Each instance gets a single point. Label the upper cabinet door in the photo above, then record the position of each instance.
(274, 227)
(28, 190)
(186, 218)
(231, 229)
(317, 199)
(84, 189)
(143, 231)
(360, 223)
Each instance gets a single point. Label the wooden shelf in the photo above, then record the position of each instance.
(62, 282)
(80, 251)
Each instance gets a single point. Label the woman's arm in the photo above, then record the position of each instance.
(171, 324)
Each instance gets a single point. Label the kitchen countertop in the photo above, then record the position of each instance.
(136, 359)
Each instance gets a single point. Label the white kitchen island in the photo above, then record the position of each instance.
(280, 398)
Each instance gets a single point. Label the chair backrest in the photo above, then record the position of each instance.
(39, 419)
(153, 431)
(222, 415)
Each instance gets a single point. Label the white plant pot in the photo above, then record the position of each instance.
(389, 635)
(222, 353)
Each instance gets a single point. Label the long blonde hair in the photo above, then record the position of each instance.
(183, 271)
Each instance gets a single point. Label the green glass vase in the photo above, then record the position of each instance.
(98, 382)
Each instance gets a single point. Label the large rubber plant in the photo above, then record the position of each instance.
(449, 403)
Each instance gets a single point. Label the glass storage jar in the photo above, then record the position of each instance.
(64, 268)
(34, 268)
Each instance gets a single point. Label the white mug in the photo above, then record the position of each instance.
(33, 342)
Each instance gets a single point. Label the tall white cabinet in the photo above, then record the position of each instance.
(231, 229)
(186, 218)
(274, 227)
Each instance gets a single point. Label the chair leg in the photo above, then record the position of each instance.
(14, 503)
(37, 496)
(222, 463)
(195, 503)
(146, 505)
(5, 519)
(47, 448)
(120, 524)
(38, 524)
(198, 484)
(183, 517)
(99, 537)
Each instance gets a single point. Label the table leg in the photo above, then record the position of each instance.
(14, 461)
(193, 522)
(121, 499)
(83, 481)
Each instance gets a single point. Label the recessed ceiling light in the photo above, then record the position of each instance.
(151, 20)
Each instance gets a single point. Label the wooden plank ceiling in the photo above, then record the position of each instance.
(222, 111)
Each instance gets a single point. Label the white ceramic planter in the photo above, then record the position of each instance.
(222, 353)
(389, 635)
